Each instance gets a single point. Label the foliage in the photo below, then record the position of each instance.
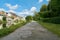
(4, 18)
(4, 25)
(1, 22)
(55, 20)
(36, 16)
(29, 18)
(43, 8)
(55, 7)
(47, 14)
(16, 21)
(12, 17)
(50, 10)
(6, 31)
(44, 14)
(50, 16)
(4, 21)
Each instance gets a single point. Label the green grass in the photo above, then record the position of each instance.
(6, 31)
(55, 28)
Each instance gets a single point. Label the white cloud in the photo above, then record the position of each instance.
(33, 9)
(12, 7)
(40, 1)
(43, 0)
(1, 9)
(11, 11)
(26, 12)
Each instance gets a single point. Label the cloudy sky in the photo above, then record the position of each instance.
(22, 7)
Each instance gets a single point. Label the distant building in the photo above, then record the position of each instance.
(11, 18)
(2, 14)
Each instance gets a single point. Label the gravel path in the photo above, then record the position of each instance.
(31, 31)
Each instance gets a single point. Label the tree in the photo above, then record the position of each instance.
(48, 11)
(1, 21)
(29, 18)
(55, 7)
(4, 21)
(43, 8)
(52, 10)
(36, 16)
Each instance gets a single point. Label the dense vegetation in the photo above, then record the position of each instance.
(4, 21)
(50, 12)
(29, 18)
(49, 16)
(5, 31)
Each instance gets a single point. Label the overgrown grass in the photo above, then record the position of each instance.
(52, 24)
(6, 31)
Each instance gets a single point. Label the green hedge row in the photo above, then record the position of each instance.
(55, 20)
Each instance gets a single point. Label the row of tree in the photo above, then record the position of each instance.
(48, 11)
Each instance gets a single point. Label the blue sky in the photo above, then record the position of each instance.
(22, 7)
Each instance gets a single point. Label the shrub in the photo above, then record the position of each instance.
(4, 18)
(45, 14)
(29, 18)
(4, 21)
(4, 25)
(55, 20)
(1, 22)
(49, 14)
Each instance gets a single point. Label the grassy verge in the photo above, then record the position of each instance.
(6, 31)
(55, 28)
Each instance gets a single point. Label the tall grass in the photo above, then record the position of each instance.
(52, 24)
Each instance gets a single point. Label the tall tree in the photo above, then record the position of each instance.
(36, 16)
(29, 18)
(43, 8)
(55, 7)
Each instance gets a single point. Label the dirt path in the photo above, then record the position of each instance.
(31, 31)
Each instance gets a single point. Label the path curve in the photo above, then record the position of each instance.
(31, 31)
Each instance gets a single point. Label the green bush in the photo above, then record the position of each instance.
(4, 18)
(4, 25)
(48, 14)
(29, 18)
(1, 22)
(55, 20)
(4, 21)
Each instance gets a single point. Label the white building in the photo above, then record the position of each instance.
(1, 19)
(9, 19)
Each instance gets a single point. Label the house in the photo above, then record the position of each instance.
(1, 18)
(2, 14)
(11, 18)
(15, 17)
